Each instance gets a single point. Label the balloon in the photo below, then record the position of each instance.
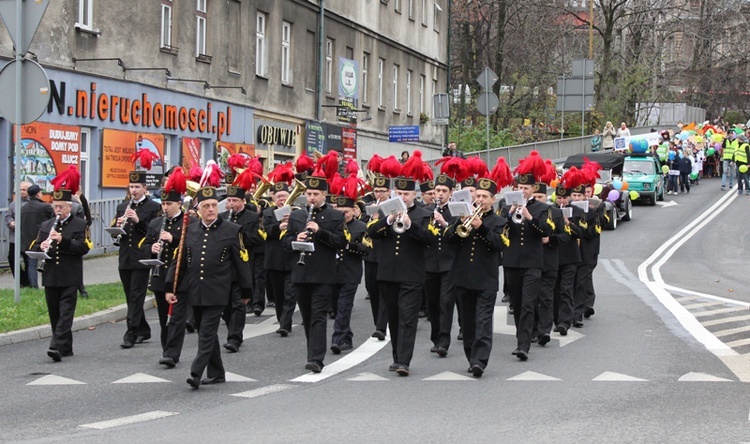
(638, 145)
(625, 186)
(671, 155)
(553, 197)
(693, 176)
(717, 138)
(613, 195)
(617, 184)
(634, 195)
(710, 152)
(683, 135)
(664, 169)
(598, 189)
(698, 139)
(743, 169)
(554, 183)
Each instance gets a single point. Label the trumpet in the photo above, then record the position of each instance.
(518, 215)
(399, 226)
(55, 227)
(463, 229)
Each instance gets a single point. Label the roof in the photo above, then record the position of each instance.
(608, 161)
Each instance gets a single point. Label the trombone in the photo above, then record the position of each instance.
(464, 228)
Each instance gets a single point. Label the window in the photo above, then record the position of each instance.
(85, 14)
(286, 42)
(365, 68)
(329, 66)
(381, 63)
(411, 9)
(200, 36)
(408, 92)
(436, 17)
(397, 5)
(421, 93)
(261, 56)
(424, 12)
(166, 24)
(395, 87)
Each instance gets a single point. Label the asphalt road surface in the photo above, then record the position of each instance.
(663, 360)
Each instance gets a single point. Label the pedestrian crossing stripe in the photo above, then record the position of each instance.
(233, 377)
(367, 376)
(139, 378)
(533, 376)
(701, 377)
(449, 376)
(618, 377)
(134, 419)
(264, 390)
(55, 380)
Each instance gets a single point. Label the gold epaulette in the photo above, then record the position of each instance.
(88, 238)
(283, 232)
(369, 224)
(433, 229)
(504, 236)
(567, 229)
(606, 217)
(598, 229)
(244, 255)
(366, 241)
(550, 222)
(262, 233)
(347, 234)
(583, 224)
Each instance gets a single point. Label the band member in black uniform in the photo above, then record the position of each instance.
(212, 252)
(590, 236)
(64, 241)
(569, 256)
(427, 191)
(559, 235)
(234, 314)
(314, 275)
(134, 216)
(475, 271)
(380, 190)
(279, 261)
(348, 275)
(523, 259)
(440, 297)
(404, 239)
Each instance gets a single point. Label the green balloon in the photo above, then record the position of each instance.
(634, 195)
(710, 152)
(665, 169)
(693, 176)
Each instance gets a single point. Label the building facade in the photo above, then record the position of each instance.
(196, 80)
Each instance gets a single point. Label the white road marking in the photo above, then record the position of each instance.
(739, 343)
(533, 376)
(670, 203)
(264, 391)
(367, 376)
(726, 320)
(139, 378)
(731, 331)
(234, 377)
(570, 338)
(448, 376)
(612, 376)
(501, 326)
(702, 304)
(697, 294)
(55, 380)
(265, 327)
(706, 313)
(148, 416)
(701, 377)
(356, 356)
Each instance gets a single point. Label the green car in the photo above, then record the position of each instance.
(643, 174)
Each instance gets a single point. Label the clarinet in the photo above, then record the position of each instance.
(301, 260)
(55, 227)
(116, 243)
(157, 270)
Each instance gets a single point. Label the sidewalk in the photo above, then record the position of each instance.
(97, 270)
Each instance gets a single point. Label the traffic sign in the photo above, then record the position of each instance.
(487, 78)
(31, 15)
(34, 91)
(487, 103)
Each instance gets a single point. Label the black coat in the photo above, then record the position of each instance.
(476, 263)
(349, 262)
(570, 252)
(65, 268)
(135, 233)
(276, 258)
(441, 259)
(169, 249)
(320, 265)
(558, 237)
(591, 228)
(526, 249)
(33, 214)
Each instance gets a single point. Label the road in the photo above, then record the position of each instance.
(664, 359)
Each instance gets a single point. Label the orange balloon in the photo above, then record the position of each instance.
(554, 183)
(624, 185)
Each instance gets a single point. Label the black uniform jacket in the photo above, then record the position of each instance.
(65, 268)
(590, 234)
(526, 249)
(402, 256)
(320, 265)
(276, 257)
(570, 252)
(476, 264)
(374, 253)
(349, 258)
(135, 233)
(211, 256)
(440, 260)
(557, 237)
(169, 249)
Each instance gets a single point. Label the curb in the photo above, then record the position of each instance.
(112, 314)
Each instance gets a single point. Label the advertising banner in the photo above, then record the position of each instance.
(226, 149)
(191, 153)
(118, 146)
(47, 150)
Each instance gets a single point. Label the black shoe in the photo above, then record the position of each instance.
(422, 314)
(511, 310)
(210, 381)
(313, 367)
(477, 370)
(257, 311)
(544, 339)
(442, 352)
(168, 362)
(127, 343)
(460, 336)
(231, 347)
(190, 327)
(141, 338)
(194, 382)
(367, 298)
(434, 349)
(379, 334)
(271, 304)
(562, 330)
(521, 355)
(331, 315)
(402, 370)
(282, 332)
(67, 354)
(506, 298)
(588, 312)
(534, 340)
(248, 309)
(469, 370)
(85, 294)
(335, 349)
(54, 354)
(393, 367)
(577, 324)
(346, 346)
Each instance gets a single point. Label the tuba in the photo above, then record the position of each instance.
(296, 192)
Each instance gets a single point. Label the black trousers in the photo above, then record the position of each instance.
(313, 305)
(544, 317)
(584, 295)
(176, 327)
(564, 294)
(234, 315)
(523, 284)
(478, 307)
(342, 330)
(61, 306)
(281, 291)
(433, 290)
(259, 282)
(377, 304)
(12, 263)
(135, 284)
(402, 301)
(333, 301)
(207, 319)
(162, 307)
